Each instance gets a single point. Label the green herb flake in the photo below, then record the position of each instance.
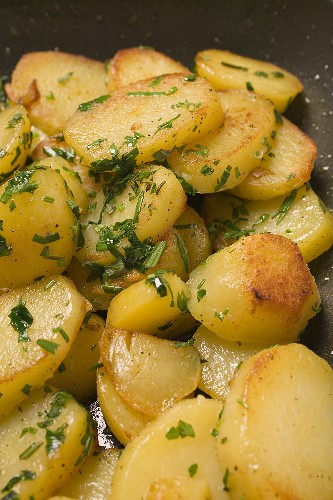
(225, 480)
(15, 120)
(234, 66)
(64, 79)
(67, 153)
(21, 319)
(48, 345)
(192, 470)
(214, 432)
(60, 400)
(48, 199)
(183, 252)
(19, 183)
(262, 74)
(97, 142)
(153, 259)
(95, 367)
(30, 451)
(224, 178)
(278, 74)
(171, 91)
(190, 78)
(249, 86)
(206, 170)
(28, 430)
(316, 308)
(285, 206)
(278, 117)
(50, 96)
(12, 205)
(182, 431)
(243, 403)
(182, 301)
(186, 343)
(62, 333)
(25, 475)
(86, 106)
(54, 439)
(166, 125)
(26, 389)
(50, 238)
(5, 250)
(221, 314)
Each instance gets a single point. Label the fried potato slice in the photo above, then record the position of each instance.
(257, 290)
(183, 442)
(150, 374)
(226, 70)
(124, 421)
(52, 84)
(43, 442)
(139, 120)
(221, 359)
(149, 304)
(287, 166)
(277, 426)
(94, 480)
(15, 140)
(300, 216)
(223, 158)
(77, 373)
(139, 63)
(38, 326)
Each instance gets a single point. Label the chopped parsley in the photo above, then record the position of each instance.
(86, 106)
(21, 319)
(182, 431)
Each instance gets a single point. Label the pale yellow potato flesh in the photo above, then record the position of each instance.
(194, 233)
(37, 237)
(124, 421)
(94, 480)
(221, 358)
(149, 304)
(142, 118)
(15, 140)
(77, 373)
(135, 473)
(287, 166)
(43, 441)
(300, 216)
(223, 158)
(226, 70)
(56, 312)
(71, 177)
(150, 374)
(139, 63)
(52, 84)
(257, 290)
(180, 487)
(277, 425)
(154, 206)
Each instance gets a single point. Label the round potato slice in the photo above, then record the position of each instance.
(257, 290)
(15, 140)
(139, 120)
(139, 63)
(287, 166)
(37, 234)
(183, 443)
(146, 306)
(226, 70)
(150, 374)
(43, 442)
(38, 326)
(277, 427)
(222, 159)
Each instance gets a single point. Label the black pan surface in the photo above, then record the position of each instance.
(296, 34)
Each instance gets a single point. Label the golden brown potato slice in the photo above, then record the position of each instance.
(194, 233)
(51, 85)
(287, 166)
(38, 326)
(180, 487)
(223, 158)
(277, 427)
(150, 374)
(77, 373)
(94, 480)
(149, 304)
(139, 120)
(149, 204)
(139, 63)
(257, 290)
(37, 236)
(300, 216)
(183, 443)
(43, 442)
(15, 140)
(221, 358)
(226, 70)
(124, 421)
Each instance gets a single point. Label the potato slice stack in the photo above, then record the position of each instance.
(200, 294)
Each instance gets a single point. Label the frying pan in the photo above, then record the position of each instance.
(295, 34)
